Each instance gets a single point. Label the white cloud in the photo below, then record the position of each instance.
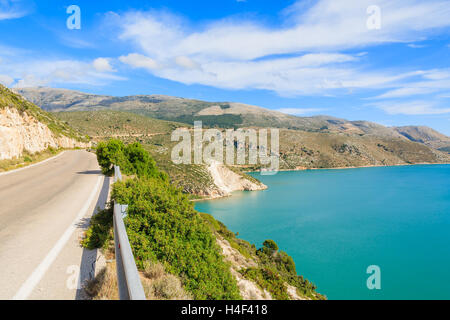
(435, 81)
(74, 42)
(40, 72)
(437, 74)
(416, 46)
(186, 62)
(11, 15)
(328, 25)
(410, 107)
(139, 61)
(102, 65)
(12, 9)
(299, 58)
(404, 92)
(6, 80)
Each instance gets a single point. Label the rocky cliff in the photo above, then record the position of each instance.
(25, 127)
(227, 181)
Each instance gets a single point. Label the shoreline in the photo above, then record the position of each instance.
(357, 167)
(213, 198)
(335, 168)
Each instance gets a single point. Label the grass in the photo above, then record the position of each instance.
(27, 159)
(110, 124)
(100, 233)
(104, 285)
(157, 284)
(160, 285)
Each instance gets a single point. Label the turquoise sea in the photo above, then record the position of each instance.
(336, 223)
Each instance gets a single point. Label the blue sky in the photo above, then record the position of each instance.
(384, 61)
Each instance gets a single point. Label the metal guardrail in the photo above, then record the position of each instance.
(129, 283)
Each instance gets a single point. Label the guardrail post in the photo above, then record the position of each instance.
(128, 281)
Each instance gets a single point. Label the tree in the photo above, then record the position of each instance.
(140, 162)
(111, 153)
(271, 245)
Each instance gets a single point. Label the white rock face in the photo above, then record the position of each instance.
(228, 181)
(19, 132)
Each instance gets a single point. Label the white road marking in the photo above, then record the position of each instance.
(32, 165)
(27, 287)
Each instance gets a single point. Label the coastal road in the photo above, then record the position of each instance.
(44, 210)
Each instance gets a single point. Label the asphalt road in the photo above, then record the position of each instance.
(44, 210)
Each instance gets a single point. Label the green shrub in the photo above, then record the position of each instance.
(164, 230)
(270, 245)
(162, 225)
(100, 230)
(283, 264)
(132, 159)
(111, 153)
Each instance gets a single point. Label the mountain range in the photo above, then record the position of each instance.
(223, 114)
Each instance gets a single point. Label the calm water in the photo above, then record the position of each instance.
(335, 223)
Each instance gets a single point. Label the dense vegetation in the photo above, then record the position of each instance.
(164, 228)
(133, 159)
(162, 225)
(276, 268)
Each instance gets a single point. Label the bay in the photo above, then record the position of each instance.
(337, 223)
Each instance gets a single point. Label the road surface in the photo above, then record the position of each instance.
(43, 212)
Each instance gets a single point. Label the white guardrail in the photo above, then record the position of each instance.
(129, 283)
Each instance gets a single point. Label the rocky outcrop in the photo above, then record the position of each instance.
(21, 132)
(228, 181)
(248, 289)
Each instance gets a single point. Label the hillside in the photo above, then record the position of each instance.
(25, 128)
(298, 149)
(216, 114)
(427, 136)
(163, 107)
(181, 253)
(305, 150)
(155, 136)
